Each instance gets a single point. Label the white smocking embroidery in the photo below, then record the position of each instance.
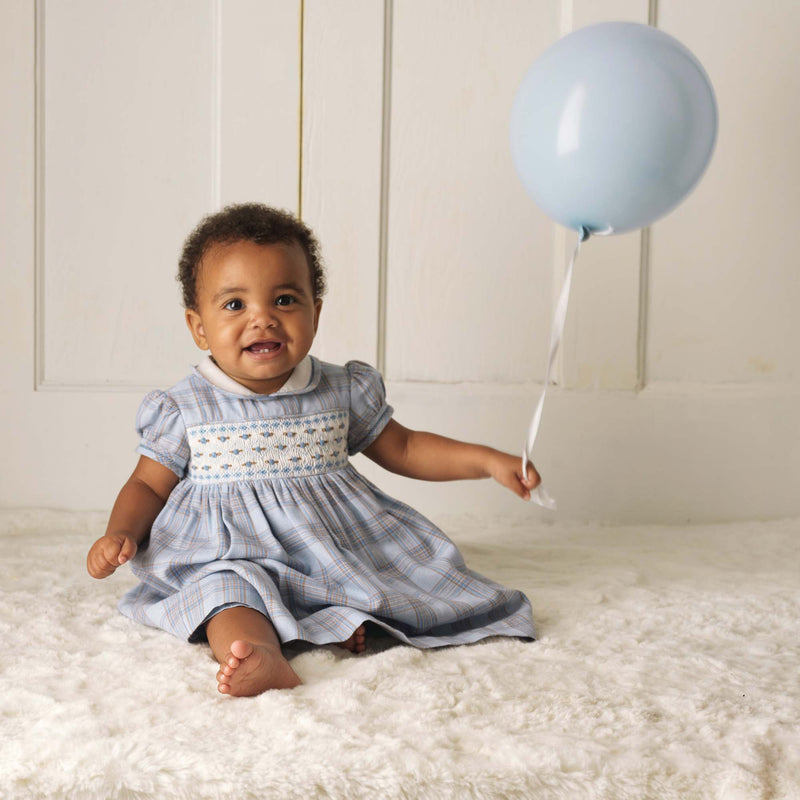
(286, 447)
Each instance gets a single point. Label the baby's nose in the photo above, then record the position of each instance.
(263, 317)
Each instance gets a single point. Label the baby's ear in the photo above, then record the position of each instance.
(317, 310)
(195, 325)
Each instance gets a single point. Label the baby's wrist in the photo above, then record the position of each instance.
(120, 536)
(494, 462)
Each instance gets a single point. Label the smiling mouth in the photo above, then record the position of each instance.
(262, 348)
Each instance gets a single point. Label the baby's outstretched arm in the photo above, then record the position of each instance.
(138, 504)
(427, 456)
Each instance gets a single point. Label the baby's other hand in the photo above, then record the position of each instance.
(507, 470)
(108, 553)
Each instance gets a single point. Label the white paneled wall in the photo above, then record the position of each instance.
(469, 259)
(342, 167)
(725, 278)
(147, 118)
(385, 125)
(127, 120)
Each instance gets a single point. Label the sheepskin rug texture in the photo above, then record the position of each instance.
(667, 666)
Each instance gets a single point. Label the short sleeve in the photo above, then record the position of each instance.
(163, 432)
(369, 412)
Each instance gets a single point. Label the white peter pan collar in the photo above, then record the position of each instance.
(298, 380)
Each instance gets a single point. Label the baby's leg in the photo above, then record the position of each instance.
(249, 653)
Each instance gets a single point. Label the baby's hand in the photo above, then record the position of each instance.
(108, 553)
(507, 470)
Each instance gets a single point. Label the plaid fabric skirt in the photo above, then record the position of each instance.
(318, 556)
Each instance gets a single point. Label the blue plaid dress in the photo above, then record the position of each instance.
(270, 514)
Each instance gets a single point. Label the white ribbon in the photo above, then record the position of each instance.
(540, 495)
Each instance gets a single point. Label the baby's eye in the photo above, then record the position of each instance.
(285, 300)
(234, 305)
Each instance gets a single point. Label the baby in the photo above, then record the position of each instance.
(244, 519)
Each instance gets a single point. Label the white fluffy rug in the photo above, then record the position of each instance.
(667, 667)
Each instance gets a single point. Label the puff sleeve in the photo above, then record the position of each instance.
(369, 412)
(163, 432)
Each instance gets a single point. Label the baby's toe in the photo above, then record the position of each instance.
(241, 650)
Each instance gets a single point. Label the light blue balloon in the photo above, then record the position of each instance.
(613, 126)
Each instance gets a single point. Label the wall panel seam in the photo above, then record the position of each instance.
(38, 218)
(383, 226)
(558, 378)
(652, 13)
(644, 269)
(216, 104)
(644, 308)
(301, 107)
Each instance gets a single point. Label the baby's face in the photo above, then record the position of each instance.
(255, 312)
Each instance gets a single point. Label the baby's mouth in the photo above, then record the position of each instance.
(264, 347)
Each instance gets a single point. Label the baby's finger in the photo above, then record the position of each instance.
(532, 479)
(98, 564)
(518, 486)
(107, 556)
(127, 552)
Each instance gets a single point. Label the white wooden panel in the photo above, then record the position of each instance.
(600, 346)
(469, 255)
(70, 449)
(152, 115)
(259, 115)
(725, 284)
(127, 167)
(17, 198)
(343, 91)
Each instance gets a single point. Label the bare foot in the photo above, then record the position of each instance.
(252, 669)
(357, 642)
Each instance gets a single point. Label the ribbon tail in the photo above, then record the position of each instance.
(542, 498)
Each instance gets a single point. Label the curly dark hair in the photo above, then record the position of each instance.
(247, 222)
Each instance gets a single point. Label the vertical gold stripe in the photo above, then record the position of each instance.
(644, 269)
(216, 104)
(300, 114)
(652, 13)
(386, 135)
(644, 309)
